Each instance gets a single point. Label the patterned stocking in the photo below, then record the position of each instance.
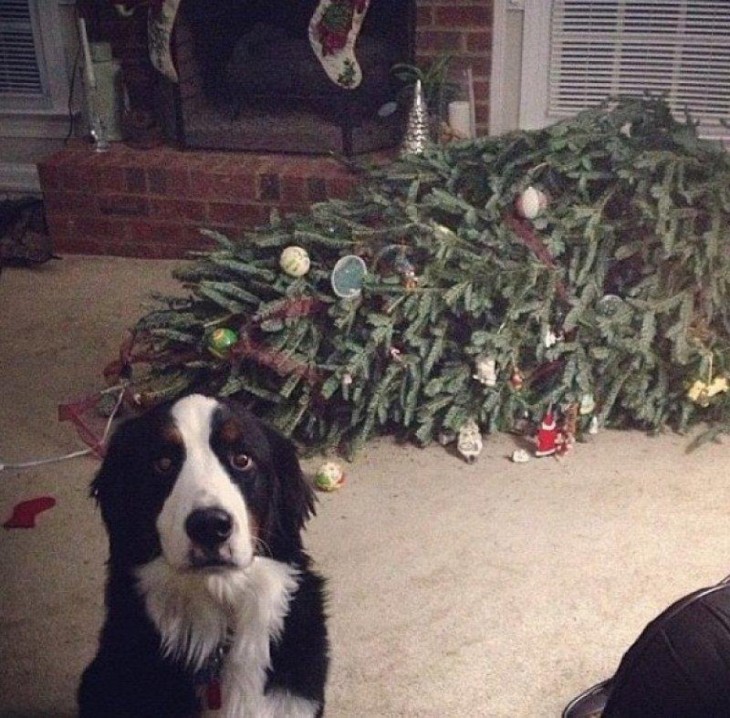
(159, 31)
(333, 31)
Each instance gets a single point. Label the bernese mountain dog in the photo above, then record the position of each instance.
(212, 608)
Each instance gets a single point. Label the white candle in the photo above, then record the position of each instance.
(460, 117)
(88, 65)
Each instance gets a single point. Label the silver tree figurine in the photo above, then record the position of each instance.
(418, 129)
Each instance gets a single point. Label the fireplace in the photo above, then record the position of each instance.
(249, 79)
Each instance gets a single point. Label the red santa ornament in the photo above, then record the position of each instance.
(548, 435)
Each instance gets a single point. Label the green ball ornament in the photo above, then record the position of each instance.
(221, 341)
(294, 261)
(329, 477)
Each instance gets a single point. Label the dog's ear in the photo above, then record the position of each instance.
(108, 486)
(296, 493)
(126, 495)
(104, 483)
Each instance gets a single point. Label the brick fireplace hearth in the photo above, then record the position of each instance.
(152, 203)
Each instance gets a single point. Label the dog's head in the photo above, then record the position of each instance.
(205, 485)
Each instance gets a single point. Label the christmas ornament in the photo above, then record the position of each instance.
(410, 281)
(517, 380)
(221, 340)
(406, 270)
(531, 202)
(520, 456)
(550, 338)
(329, 477)
(486, 371)
(294, 261)
(396, 355)
(347, 276)
(701, 392)
(609, 304)
(547, 435)
(333, 32)
(418, 132)
(469, 442)
(587, 404)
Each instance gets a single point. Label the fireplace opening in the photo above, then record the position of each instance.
(281, 75)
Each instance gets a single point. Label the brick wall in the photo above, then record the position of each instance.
(152, 203)
(463, 29)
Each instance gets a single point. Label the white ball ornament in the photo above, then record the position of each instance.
(329, 477)
(294, 261)
(531, 202)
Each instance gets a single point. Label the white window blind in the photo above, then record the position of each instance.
(20, 74)
(606, 47)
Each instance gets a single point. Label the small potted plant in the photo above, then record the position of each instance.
(438, 89)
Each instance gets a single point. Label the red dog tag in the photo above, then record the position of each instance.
(213, 695)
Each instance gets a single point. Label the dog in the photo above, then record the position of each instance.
(212, 608)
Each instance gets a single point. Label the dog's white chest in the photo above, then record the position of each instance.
(191, 617)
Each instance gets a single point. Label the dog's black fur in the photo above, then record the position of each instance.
(131, 676)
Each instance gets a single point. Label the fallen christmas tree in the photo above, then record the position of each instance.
(584, 267)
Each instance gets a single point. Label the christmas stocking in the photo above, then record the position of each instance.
(333, 31)
(159, 32)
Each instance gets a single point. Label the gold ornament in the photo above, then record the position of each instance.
(701, 392)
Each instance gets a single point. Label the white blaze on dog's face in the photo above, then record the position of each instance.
(204, 522)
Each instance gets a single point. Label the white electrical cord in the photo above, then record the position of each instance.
(73, 454)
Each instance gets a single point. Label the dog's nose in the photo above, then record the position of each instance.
(209, 527)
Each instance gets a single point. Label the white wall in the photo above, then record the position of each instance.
(26, 136)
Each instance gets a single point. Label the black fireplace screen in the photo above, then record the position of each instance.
(285, 75)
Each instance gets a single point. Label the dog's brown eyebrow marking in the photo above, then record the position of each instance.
(171, 434)
(231, 431)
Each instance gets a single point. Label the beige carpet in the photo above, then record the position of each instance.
(496, 590)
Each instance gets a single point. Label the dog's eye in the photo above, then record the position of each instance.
(241, 461)
(163, 465)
